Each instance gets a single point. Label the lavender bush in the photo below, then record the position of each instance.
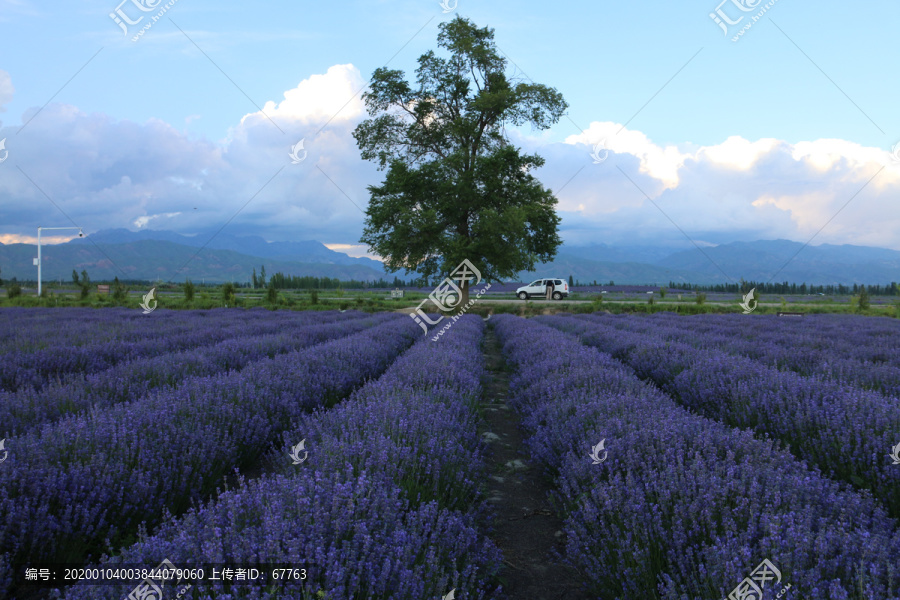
(845, 431)
(169, 449)
(386, 506)
(684, 507)
(130, 381)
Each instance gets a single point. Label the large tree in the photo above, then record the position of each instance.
(456, 188)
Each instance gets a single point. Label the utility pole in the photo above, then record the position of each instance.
(37, 261)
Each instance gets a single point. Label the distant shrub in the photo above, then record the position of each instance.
(662, 292)
(119, 291)
(701, 298)
(14, 291)
(344, 305)
(188, 290)
(863, 298)
(314, 297)
(228, 294)
(360, 301)
(271, 294)
(651, 301)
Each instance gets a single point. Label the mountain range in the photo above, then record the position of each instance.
(167, 255)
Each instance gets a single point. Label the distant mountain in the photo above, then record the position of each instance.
(151, 254)
(618, 254)
(150, 259)
(302, 251)
(784, 260)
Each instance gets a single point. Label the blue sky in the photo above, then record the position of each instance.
(785, 133)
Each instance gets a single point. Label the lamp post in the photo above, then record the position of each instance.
(38, 259)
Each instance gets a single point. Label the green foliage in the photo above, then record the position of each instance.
(119, 291)
(701, 298)
(344, 305)
(339, 292)
(84, 277)
(863, 298)
(228, 294)
(188, 290)
(272, 294)
(783, 303)
(74, 276)
(662, 292)
(651, 301)
(85, 290)
(14, 291)
(314, 297)
(455, 187)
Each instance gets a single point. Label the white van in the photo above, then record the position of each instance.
(539, 288)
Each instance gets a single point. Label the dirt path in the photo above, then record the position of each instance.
(526, 529)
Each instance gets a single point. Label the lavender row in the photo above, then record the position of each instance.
(845, 431)
(130, 381)
(781, 344)
(28, 329)
(97, 476)
(35, 369)
(797, 344)
(387, 505)
(680, 507)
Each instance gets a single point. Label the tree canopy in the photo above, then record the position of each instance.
(455, 187)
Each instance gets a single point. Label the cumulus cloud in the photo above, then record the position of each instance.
(107, 173)
(6, 90)
(737, 190)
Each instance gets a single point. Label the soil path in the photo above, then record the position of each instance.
(526, 528)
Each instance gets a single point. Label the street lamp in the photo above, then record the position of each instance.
(37, 261)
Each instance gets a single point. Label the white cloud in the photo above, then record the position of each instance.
(106, 173)
(143, 221)
(333, 96)
(6, 90)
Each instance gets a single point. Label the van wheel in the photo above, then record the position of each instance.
(523, 296)
(557, 295)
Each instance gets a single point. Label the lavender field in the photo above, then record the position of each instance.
(704, 457)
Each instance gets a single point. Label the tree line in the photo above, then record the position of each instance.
(888, 289)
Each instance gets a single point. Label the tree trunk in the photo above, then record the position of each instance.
(464, 301)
